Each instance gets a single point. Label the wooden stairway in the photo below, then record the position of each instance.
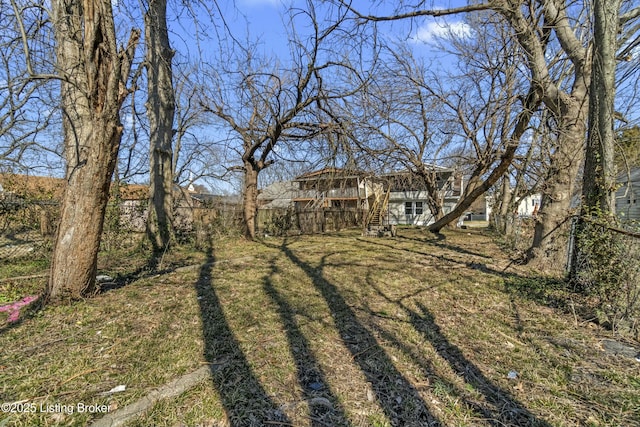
(375, 219)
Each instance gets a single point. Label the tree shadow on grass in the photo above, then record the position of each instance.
(469, 264)
(149, 269)
(400, 401)
(503, 408)
(498, 408)
(448, 246)
(324, 408)
(245, 400)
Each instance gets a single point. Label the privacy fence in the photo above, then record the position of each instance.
(27, 227)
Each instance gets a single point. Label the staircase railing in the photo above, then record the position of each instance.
(378, 206)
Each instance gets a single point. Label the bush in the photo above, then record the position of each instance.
(607, 269)
(280, 223)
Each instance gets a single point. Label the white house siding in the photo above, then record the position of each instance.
(529, 205)
(628, 196)
(411, 208)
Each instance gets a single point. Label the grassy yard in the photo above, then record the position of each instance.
(332, 330)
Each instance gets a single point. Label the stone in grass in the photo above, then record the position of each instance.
(618, 349)
(316, 386)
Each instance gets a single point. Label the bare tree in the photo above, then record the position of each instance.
(403, 118)
(27, 106)
(265, 103)
(160, 112)
(558, 57)
(93, 73)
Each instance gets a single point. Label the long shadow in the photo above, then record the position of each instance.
(438, 242)
(500, 409)
(504, 407)
(400, 401)
(244, 398)
(149, 269)
(308, 371)
(469, 264)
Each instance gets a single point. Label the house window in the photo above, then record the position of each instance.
(408, 208)
(418, 208)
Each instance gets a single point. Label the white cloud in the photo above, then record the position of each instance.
(441, 29)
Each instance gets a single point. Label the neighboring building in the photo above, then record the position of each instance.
(278, 195)
(408, 196)
(480, 209)
(628, 195)
(529, 205)
(334, 188)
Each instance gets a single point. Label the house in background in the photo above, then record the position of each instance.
(529, 205)
(408, 196)
(332, 188)
(278, 195)
(480, 209)
(400, 198)
(628, 195)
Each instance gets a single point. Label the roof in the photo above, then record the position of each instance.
(278, 190)
(435, 168)
(330, 173)
(32, 187)
(134, 191)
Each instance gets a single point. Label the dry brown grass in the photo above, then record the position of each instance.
(333, 330)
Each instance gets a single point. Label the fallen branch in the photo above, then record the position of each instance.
(169, 390)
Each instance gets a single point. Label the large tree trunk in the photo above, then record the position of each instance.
(160, 110)
(549, 248)
(598, 185)
(502, 216)
(250, 199)
(92, 92)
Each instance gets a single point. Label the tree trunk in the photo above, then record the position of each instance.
(92, 92)
(599, 180)
(160, 111)
(472, 193)
(250, 199)
(549, 248)
(503, 222)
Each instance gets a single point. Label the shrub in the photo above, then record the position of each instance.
(607, 269)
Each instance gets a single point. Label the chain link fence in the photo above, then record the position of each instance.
(26, 227)
(604, 265)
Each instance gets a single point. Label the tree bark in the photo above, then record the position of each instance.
(92, 91)
(250, 199)
(599, 180)
(549, 248)
(160, 111)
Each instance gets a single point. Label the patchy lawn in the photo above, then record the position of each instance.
(333, 330)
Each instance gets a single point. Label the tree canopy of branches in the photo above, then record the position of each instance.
(557, 52)
(266, 104)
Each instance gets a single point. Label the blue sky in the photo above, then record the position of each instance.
(264, 20)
